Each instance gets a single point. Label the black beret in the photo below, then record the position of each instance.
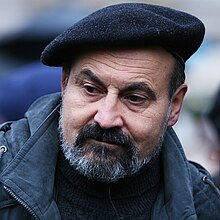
(129, 24)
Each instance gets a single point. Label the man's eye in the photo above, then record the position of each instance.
(136, 99)
(90, 89)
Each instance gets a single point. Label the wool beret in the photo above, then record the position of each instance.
(130, 24)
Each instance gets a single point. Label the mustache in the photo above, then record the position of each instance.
(112, 136)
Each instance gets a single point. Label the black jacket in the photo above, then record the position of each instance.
(27, 171)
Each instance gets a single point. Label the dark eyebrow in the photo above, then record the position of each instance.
(140, 86)
(89, 74)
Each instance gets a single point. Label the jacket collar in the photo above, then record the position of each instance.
(176, 198)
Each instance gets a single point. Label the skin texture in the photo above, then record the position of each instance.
(123, 89)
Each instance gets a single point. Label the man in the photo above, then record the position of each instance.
(105, 148)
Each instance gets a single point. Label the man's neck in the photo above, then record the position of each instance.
(132, 196)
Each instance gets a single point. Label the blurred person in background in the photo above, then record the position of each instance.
(104, 148)
(214, 117)
(20, 89)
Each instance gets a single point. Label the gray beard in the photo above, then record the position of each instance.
(105, 165)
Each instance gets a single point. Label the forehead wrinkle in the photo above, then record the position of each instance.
(146, 59)
(119, 55)
(150, 67)
(141, 60)
(133, 57)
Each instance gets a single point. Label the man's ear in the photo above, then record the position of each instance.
(64, 80)
(176, 104)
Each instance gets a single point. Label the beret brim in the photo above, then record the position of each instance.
(129, 24)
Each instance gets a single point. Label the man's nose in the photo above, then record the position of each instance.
(109, 113)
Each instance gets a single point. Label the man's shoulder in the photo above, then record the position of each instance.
(13, 135)
(206, 195)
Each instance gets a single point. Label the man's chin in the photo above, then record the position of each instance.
(98, 162)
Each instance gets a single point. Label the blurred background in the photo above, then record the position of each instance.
(27, 26)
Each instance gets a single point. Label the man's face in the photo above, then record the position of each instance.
(115, 110)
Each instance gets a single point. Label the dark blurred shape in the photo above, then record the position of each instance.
(28, 43)
(19, 89)
(214, 114)
(214, 117)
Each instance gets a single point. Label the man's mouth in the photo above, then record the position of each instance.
(109, 144)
